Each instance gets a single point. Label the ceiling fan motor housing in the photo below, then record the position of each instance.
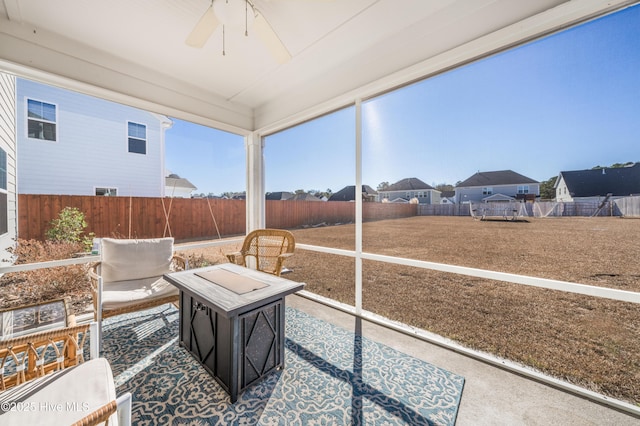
(234, 13)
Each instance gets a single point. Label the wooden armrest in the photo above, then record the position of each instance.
(32, 350)
(99, 416)
(93, 273)
(236, 257)
(121, 405)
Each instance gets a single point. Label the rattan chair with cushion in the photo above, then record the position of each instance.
(39, 339)
(128, 277)
(265, 250)
(81, 395)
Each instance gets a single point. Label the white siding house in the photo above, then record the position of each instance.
(503, 184)
(409, 189)
(8, 204)
(73, 144)
(178, 187)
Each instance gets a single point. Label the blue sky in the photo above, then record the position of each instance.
(566, 102)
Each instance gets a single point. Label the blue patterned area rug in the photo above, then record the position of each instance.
(332, 376)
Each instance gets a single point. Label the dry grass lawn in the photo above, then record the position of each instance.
(588, 341)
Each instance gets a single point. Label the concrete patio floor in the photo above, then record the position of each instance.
(491, 396)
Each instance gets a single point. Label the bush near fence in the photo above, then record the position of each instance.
(187, 218)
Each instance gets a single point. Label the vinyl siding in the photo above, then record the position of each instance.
(474, 193)
(91, 149)
(429, 196)
(8, 144)
(562, 192)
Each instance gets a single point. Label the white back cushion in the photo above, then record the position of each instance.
(124, 260)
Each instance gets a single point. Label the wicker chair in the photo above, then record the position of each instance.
(81, 395)
(130, 274)
(39, 339)
(269, 248)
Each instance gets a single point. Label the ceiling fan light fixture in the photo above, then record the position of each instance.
(236, 14)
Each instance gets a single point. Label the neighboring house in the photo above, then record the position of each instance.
(279, 196)
(284, 195)
(178, 187)
(348, 193)
(595, 184)
(73, 144)
(305, 197)
(237, 196)
(407, 189)
(8, 202)
(448, 197)
(486, 186)
(499, 198)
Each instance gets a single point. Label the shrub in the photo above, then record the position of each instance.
(197, 260)
(69, 227)
(31, 251)
(20, 288)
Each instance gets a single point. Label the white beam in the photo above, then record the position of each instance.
(255, 200)
(45, 57)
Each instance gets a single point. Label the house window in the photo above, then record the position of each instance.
(4, 214)
(110, 192)
(137, 134)
(41, 120)
(487, 190)
(523, 189)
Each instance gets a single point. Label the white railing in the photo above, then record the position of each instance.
(569, 287)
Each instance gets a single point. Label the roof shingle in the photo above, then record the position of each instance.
(501, 177)
(409, 184)
(620, 181)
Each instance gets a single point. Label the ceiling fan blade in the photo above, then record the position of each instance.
(271, 39)
(203, 29)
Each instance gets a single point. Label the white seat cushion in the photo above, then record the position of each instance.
(124, 260)
(120, 294)
(61, 398)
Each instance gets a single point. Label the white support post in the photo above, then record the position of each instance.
(255, 206)
(124, 409)
(99, 314)
(94, 340)
(358, 196)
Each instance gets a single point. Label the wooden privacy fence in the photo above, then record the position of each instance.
(135, 217)
(295, 214)
(187, 218)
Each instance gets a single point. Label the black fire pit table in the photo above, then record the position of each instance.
(232, 321)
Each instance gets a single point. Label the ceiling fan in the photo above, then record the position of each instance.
(234, 13)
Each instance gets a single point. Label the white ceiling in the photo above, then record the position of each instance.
(134, 51)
